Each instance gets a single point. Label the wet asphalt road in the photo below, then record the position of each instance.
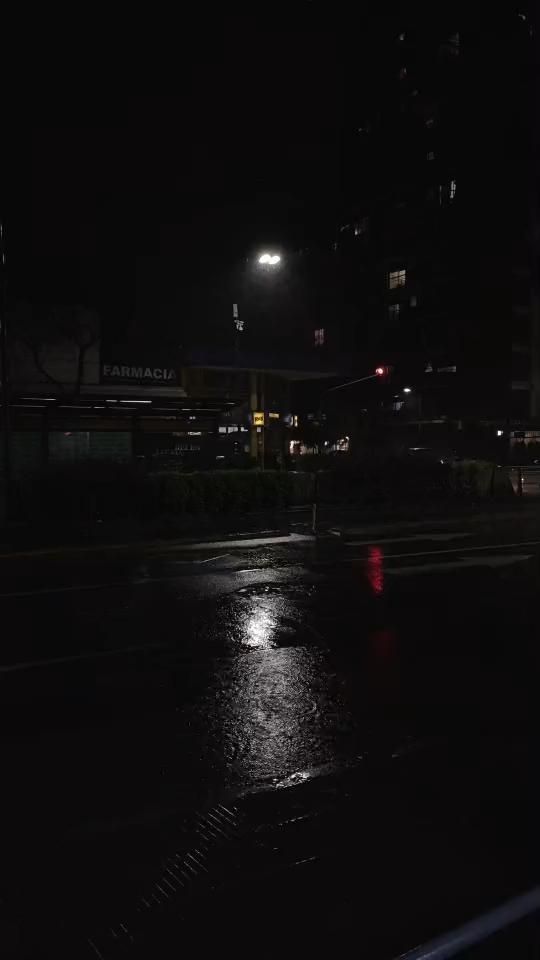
(383, 686)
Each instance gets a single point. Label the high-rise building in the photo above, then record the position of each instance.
(438, 241)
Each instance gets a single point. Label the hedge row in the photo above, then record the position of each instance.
(77, 493)
(117, 492)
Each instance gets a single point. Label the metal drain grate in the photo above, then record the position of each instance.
(184, 874)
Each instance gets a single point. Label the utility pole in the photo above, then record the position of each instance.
(4, 387)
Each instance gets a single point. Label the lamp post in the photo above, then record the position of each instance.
(267, 261)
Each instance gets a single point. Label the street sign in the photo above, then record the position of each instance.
(258, 418)
(239, 324)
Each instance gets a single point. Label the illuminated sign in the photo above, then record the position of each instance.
(129, 374)
(273, 416)
(258, 418)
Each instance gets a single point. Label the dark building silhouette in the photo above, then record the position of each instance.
(438, 239)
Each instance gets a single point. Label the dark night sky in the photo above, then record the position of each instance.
(133, 190)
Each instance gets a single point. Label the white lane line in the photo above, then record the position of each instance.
(210, 559)
(462, 550)
(466, 563)
(77, 588)
(74, 588)
(438, 537)
(95, 655)
(255, 542)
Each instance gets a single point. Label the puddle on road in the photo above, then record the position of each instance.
(276, 703)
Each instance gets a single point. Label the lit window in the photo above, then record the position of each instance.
(403, 73)
(414, 300)
(319, 337)
(430, 155)
(450, 47)
(397, 278)
(401, 37)
(393, 311)
(447, 192)
(360, 227)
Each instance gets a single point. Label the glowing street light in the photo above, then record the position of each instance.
(407, 390)
(269, 259)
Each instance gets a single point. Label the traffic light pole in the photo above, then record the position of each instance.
(372, 376)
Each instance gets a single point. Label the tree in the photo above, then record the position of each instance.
(44, 332)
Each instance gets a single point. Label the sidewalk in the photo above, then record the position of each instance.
(340, 522)
(487, 519)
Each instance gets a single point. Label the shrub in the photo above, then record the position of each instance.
(78, 494)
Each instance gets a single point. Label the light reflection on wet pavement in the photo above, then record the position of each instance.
(273, 667)
(276, 699)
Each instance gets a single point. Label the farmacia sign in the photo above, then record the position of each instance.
(116, 372)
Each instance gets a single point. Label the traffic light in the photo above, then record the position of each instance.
(383, 371)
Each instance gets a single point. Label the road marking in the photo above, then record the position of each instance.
(440, 553)
(73, 658)
(255, 542)
(439, 537)
(77, 588)
(209, 559)
(467, 562)
(40, 591)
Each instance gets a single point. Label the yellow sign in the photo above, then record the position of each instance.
(273, 416)
(258, 418)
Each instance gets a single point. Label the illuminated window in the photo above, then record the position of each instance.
(403, 73)
(447, 192)
(397, 278)
(319, 337)
(413, 300)
(360, 227)
(450, 46)
(401, 37)
(393, 311)
(430, 155)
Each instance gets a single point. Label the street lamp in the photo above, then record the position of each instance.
(269, 259)
(407, 390)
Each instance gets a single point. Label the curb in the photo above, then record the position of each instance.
(373, 529)
(161, 546)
